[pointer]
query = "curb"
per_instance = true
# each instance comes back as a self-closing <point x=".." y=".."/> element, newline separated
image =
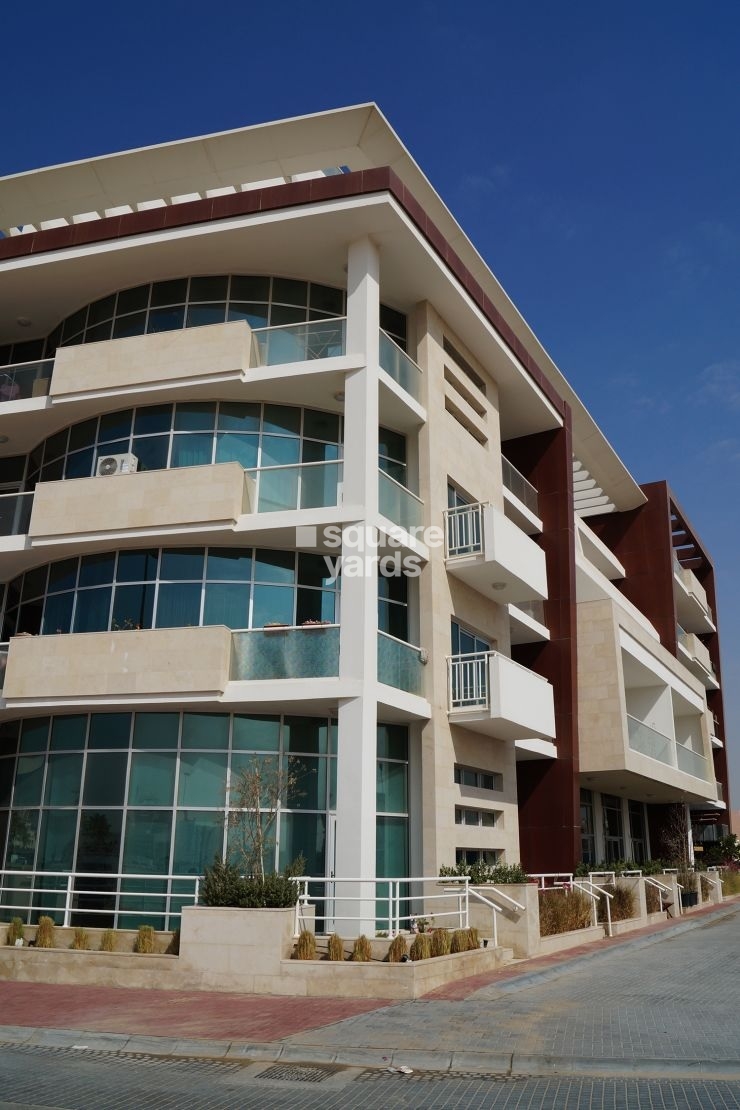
<point x="510" y="1064"/>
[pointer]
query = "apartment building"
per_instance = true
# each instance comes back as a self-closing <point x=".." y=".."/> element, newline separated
<point x="286" y="476"/>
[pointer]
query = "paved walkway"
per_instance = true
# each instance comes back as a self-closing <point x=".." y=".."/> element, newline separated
<point x="665" y="1001"/>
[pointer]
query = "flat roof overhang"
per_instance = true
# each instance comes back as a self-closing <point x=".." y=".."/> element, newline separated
<point x="639" y="788"/>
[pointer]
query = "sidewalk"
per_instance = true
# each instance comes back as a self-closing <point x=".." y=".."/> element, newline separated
<point x="539" y="1016"/>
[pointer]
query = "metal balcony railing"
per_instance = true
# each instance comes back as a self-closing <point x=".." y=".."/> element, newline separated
<point x="464" y="530"/>
<point x="517" y="484"/>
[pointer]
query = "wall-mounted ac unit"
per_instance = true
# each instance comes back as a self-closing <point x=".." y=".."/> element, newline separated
<point x="116" y="464"/>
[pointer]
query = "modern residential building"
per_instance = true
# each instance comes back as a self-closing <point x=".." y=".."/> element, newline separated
<point x="285" y="474"/>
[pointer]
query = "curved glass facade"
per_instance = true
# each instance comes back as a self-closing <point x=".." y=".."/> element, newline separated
<point x="190" y="302"/>
<point x="171" y="588"/>
<point x="137" y="794"/>
<point x="191" y="433"/>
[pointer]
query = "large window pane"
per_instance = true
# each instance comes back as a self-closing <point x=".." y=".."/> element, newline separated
<point x="182" y="564"/>
<point x="278" y="490"/>
<point x="105" y="779"/>
<point x="392" y="847"/>
<point x="303" y="834"/>
<point x="226" y="604"/>
<point x="306" y="779"/>
<point x="233" y="416"/>
<point x="29" y="777"/>
<point x="156" y="730"/>
<point x="133" y="607"/>
<point x="229" y="565"/>
<point x="100" y="840"/>
<point x="178" y="605"/>
<point x="272" y="604"/>
<point x="137" y="566"/>
<point x="237" y="448"/>
<point x="68" y="733"/>
<point x="96" y="570"/>
<point x="153" y="419"/>
<point x="202" y="779"/>
<point x="92" y="611"/>
<point x="22" y="839"/>
<point x="391" y="788"/>
<point x="152" y="452"/>
<point x="147" y="844"/>
<point x="57" y="840"/>
<point x="57" y="614"/>
<point x="195" y="416"/>
<point x="393" y="742"/>
<point x="279" y="451"/>
<point x="199" y="837"/>
<point x="205" y="730"/>
<point x="35" y="734"/>
<point x="306" y="734"/>
<point x="259" y="734"/>
<point x="109" y="730"/>
<point x="152" y="779"/>
<point x="63" y="780"/>
<point x="195" y="449"/>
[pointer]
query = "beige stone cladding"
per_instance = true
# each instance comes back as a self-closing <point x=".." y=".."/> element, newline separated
<point x="155" y="501"/>
<point x="448" y="452"/>
<point x="139" y="662"/>
<point x="170" y="356"/>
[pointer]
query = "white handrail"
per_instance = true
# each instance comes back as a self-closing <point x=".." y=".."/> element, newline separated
<point x="542" y="875"/>
<point x="595" y="893"/>
<point x="494" y="910"/>
<point x="495" y="890"/>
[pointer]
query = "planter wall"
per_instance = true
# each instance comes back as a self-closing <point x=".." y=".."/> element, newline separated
<point x="560" y="941"/>
<point x="517" y="929"/>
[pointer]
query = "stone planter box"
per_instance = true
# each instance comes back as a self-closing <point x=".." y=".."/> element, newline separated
<point x="558" y="942"/>
<point x="517" y="929"/>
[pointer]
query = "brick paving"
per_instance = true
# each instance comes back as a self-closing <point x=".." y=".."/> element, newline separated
<point x="180" y="1014"/>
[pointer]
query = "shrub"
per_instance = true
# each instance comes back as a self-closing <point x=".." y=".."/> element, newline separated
<point x="80" y="940"/>
<point x="421" y="947"/>
<point x="481" y="873"/>
<point x="223" y="886"/>
<point x="108" y="941"/>
<point x="398" y="948"/>
<point x="362" y="952"/>
<point x="144" y="943"/>
<point x="622" y="904"/>
<point x="15" y="930"/>
<point x="730" y="882"/>
<point x="473" y="939"/>
<point x="45" y="933"/>
<point x="305" y="946"/>
<point x="562" y="911"/>
<point x="335" y="949"/>
<point x="441" y="940"/>
<point x="652" y="899"/>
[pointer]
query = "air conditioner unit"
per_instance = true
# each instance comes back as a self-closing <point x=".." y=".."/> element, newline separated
<point x="116" y="464"/>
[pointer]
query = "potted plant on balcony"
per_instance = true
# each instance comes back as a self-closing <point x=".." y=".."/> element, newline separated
<point x="272" y="627"/>
<point x="315" y="625"/>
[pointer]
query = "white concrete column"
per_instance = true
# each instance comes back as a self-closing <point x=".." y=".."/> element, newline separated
<point x="357" y="724"/>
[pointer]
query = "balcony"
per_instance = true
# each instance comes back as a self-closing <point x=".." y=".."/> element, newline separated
<point x="305" y="486"/>
<point x="15" y="513"/>
<point x="298" y="342"/>
<point x="692" y="606"/>
<point x="183" y="664"/>
<point x="490" y="693"/>
<point x="194" y="499"/>
<point x="647" y="741"/>
<point x="521" y="501"/>
<point x="25" y="379"/>
<point x="696" y="656"/>
<point x="400" y="664"/>
<point x="527" y="622"/>
<point x="399" y="366"/>
<point x="280" y="652"/>
<point x="399" y="504"/>
<point x="714" y="730"/>
<point x="491" y="554"/>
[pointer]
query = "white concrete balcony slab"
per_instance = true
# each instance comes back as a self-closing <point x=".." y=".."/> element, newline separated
<point x="696" y="656"/>
<point x="194" y="500"/>
<point x="181" y="665"/>
<point x="692" y="605"/>
<point x="527" y="622"/>
<point x="490" y="693"/>
<point x="486" y="550"/>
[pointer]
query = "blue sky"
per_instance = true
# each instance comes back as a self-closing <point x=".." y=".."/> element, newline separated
<point x="588" y="149"/>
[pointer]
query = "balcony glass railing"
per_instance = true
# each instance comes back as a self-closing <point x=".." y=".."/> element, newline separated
<point x="720" y="792"/>
<point x="25" y="379"/>
<point x="400" y="664"/>
<point x="399" y="366"/>
<point x="3" y="663"/>
<point x="398" y="503"/>
<point x="306" y="486"/>
<point x="534" y="609"/>
<point x="309" y="651"/>
<point x="298" y="342"/>
<point x="646" y="741"/>
<point x="463" y="530"/>
<point x="691" y="762"/>
<point x="517" y="484"/>
<point x="15" y="513"/>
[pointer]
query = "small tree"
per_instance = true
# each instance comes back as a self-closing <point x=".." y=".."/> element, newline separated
<point x="258" y="794"/>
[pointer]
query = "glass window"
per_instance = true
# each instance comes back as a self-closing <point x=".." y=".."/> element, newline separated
<point x="109" y="730"/>
<point x="62" y="575"/>
<point x="392" y="846"/>
<point x="199" y="837"/>
<point x="274" y="566"/>
<point x="305" y="734"/>
<point x="227" y="603"/>
<point x="68" y="733"/>
<point x="22" y="839"/>
<point x="178" y="605"/>
<point x="393" y="742"/>
<point x="96" y="570"/>
<point x="133" y="607"/>
<point x="611" y="807"/>
<point x="57" y="840"/>
<point x="152" y="780"/>
<point x="124" y="326"/>
<point x="391" y="788"/>
<point x="259" y="734"/>
<point x="29" y="777"/>
<point x="195" y="416"/>
<point x="192" y="450"/>
<point x="57" y="614"/>
<point x="137" y="566"/>
<point x="306" y="779"/>
<point x="205" y="730"/>
<point x="169" y="292"/>
<point x="146" y="848"/>
<point x="208" y="288"/>
<point x="182" y="564"/>
<point x="152" y="452"/>
<point x="165" y="319"/>
<point x="100" y="839"/>
<point x="63" y="780"/>
<point x="105" y="779"/>
<point x="156" y="730"/>
<point x="35" y="734"/>
<point x="92" y="610"/>
<point x="304" y="834"/>
<point x="250" y="288"/>
<point x="272" y="605"/>
<point x="152" y="420"/>
<point x="234" y="416"/>
<point x="226" y="564"/>
<point x="243" y="449"/>
<point x="200" y="315"/>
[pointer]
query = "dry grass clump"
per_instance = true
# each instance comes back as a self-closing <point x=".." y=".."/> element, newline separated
<point x="441" y="942"/>
<point x="622" y="904"/>
<point x="45" y="933"/>
<point x="80" y="940"/>
<point x="706" y="888"/>
<point x="464" y="940"/>
<point x="421" y="947"/>
<point x="305" y="946"/>
<point x="15" y="930"/>
<point x="108" y="941"/>
<point x="335" y="948"/>
<point x="562" y="911"/>
<point x="362" y="952"/>
<point x="397" y="949"/>
<point x="144" y="943"/>
<point x="652" y="899"/>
